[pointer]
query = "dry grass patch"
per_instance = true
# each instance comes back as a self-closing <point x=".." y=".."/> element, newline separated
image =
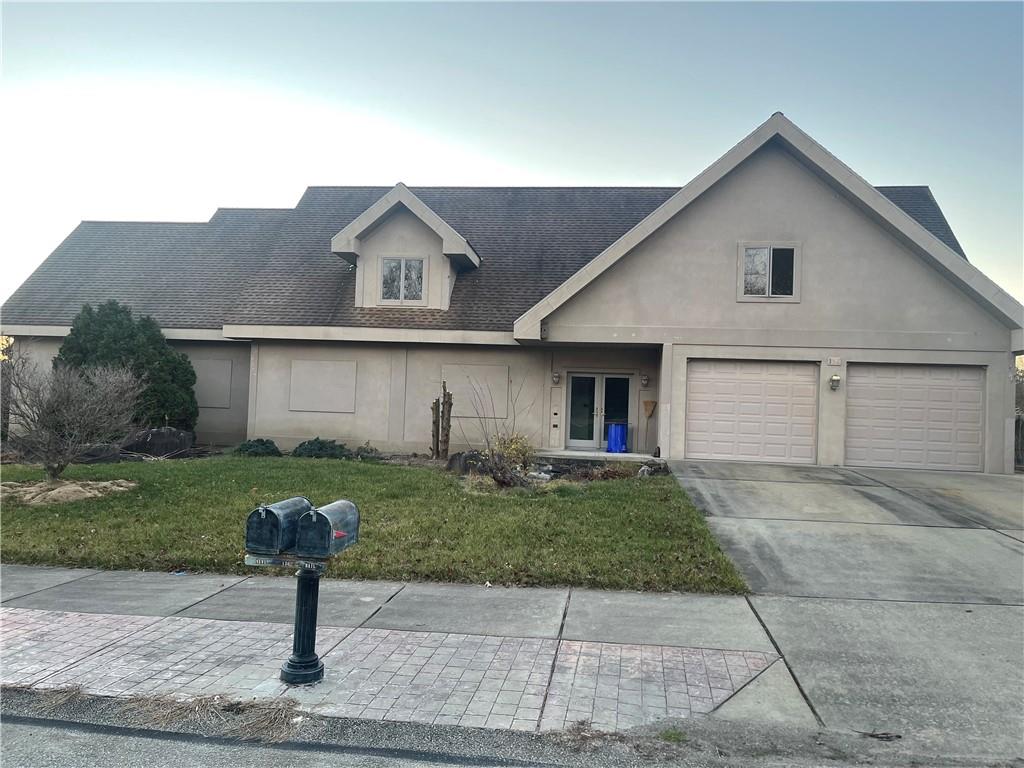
<point x="63" y="491"/>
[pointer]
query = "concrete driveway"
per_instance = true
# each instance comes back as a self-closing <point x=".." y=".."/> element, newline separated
<point x="868" y="534"/>
<point x="895" y="597"/>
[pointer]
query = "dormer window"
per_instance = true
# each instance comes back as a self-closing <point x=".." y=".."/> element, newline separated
<point x="404" y="253"/>
<point x="401" y="281"/>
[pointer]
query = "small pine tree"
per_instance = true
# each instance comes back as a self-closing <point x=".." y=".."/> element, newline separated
<point x="109" y="335"/>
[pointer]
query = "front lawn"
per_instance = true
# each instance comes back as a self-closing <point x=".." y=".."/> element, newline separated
<point x="417" y="524"/>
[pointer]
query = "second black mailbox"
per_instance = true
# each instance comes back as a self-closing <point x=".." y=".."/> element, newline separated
<point x="328" y="530"/>
<point x="272" y="528"/>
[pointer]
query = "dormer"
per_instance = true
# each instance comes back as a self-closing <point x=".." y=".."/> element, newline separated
<point x="405" y="255"/>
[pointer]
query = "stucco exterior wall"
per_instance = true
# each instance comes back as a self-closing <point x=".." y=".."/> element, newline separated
<point x="509" y="387"/>
<point x="864" y="297"/>
<point x="394" y="386"/>
<point x="222" y="389"/>
<point x="40" y="349"/>
<point x="222" y="369"/>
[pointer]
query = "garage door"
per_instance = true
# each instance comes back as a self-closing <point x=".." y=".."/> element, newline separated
<point x="914" y="416"/>
<point x="751" y="411"/>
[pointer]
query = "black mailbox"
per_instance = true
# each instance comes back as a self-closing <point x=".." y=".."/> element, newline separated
<point x="328" y="530"/>
<point x="272" y="528"/>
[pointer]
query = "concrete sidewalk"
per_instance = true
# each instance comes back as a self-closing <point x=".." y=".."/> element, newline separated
<point x="527" y="659"/>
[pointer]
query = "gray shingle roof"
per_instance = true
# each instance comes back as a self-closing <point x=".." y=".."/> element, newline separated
<point x="275" y="266"/>
<point x="529" y="241"/>
<point x="185" y="275"/>
<point x="919" y="204"/>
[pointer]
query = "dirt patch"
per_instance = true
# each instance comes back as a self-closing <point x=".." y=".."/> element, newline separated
<point x="64" y="491"/>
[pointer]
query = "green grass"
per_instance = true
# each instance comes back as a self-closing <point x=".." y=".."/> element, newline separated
<point x="417" y="524"/>
<point x="673" y="736"/>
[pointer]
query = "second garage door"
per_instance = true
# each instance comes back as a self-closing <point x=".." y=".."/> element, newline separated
<point x="751" y="411"/>
<point x="915" y="416"/>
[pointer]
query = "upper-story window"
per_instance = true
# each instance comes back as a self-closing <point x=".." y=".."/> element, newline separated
<point x="402" y="281"/>
<point x="769" y="272"/>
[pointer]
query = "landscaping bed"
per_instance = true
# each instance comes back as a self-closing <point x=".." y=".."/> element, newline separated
<point x="418" y="523"/>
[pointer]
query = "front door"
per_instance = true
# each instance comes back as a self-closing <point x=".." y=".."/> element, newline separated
<point x="583" y="432"/>
<point x="615" y="408"/>
<point x="596" y="400"/>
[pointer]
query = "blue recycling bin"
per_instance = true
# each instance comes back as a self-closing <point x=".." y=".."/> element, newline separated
<point x="616" y="438"/>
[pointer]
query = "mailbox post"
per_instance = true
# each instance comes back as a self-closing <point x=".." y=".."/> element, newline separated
<point x="295" y="533"/>
<point x="304" y="666"/>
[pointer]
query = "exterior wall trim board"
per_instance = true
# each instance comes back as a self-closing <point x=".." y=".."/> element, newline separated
<point x="173" y="334"/>
<point x="370" y="334"/>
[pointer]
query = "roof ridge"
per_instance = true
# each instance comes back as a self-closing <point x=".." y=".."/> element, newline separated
<point x="142" y="221"/>
<point x="253" y="208"/>
<point x="506" y="186"/>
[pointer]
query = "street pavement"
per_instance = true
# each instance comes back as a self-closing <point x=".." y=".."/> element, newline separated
<point x="58" y="746"/>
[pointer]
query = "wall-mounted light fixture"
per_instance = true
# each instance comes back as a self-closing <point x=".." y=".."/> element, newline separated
<point x="556" y="377"/>
<point x="833" y="382"/>
<point x="644" y="379"/>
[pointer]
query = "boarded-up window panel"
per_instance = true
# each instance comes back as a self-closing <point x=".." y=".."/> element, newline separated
<point x="477" y="390"/>
<point x="213" y="383"/>
<point x="323" y="386"/>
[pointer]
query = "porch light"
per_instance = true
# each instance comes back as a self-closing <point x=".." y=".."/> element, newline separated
<point x="644" y="379"/>
<point x="833" y="382"/>
<point x="556" y="377"/>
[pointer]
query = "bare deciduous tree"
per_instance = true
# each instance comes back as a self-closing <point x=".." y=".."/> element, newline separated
<point x="58" y="414"/>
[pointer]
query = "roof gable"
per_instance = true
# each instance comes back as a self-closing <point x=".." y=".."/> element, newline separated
<point x="347" y="242"/>
<point x="941" y="255"/>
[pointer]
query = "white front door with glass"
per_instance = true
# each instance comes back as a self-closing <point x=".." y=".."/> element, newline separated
<point x="595" y="401"/>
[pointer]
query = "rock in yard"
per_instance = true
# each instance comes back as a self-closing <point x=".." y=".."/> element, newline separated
<point x="161" y="441"/>
<point x="468" y="462"/>
<point x="538" y="477"/>
<point x="656" y="466"/>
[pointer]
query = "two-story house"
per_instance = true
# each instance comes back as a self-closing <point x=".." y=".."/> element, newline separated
<point x="777" y="308"/>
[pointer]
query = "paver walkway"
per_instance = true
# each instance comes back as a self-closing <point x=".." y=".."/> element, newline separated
<point x="387" y="674"/>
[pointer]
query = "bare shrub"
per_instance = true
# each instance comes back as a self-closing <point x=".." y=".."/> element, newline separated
<point x="58" y="414"/>
<point x="506" y="452"/>
<point x="516" y="449"/>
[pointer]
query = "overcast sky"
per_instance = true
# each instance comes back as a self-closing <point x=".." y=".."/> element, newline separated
<point x="165" y="112"/>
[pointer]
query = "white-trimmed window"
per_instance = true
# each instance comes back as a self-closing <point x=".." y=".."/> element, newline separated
<point x="403" y="281"/>
<point x="769" y="272"/>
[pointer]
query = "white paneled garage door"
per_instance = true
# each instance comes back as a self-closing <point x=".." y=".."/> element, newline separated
<point x="915" y="416"/>
<point x="751" y="411"/>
